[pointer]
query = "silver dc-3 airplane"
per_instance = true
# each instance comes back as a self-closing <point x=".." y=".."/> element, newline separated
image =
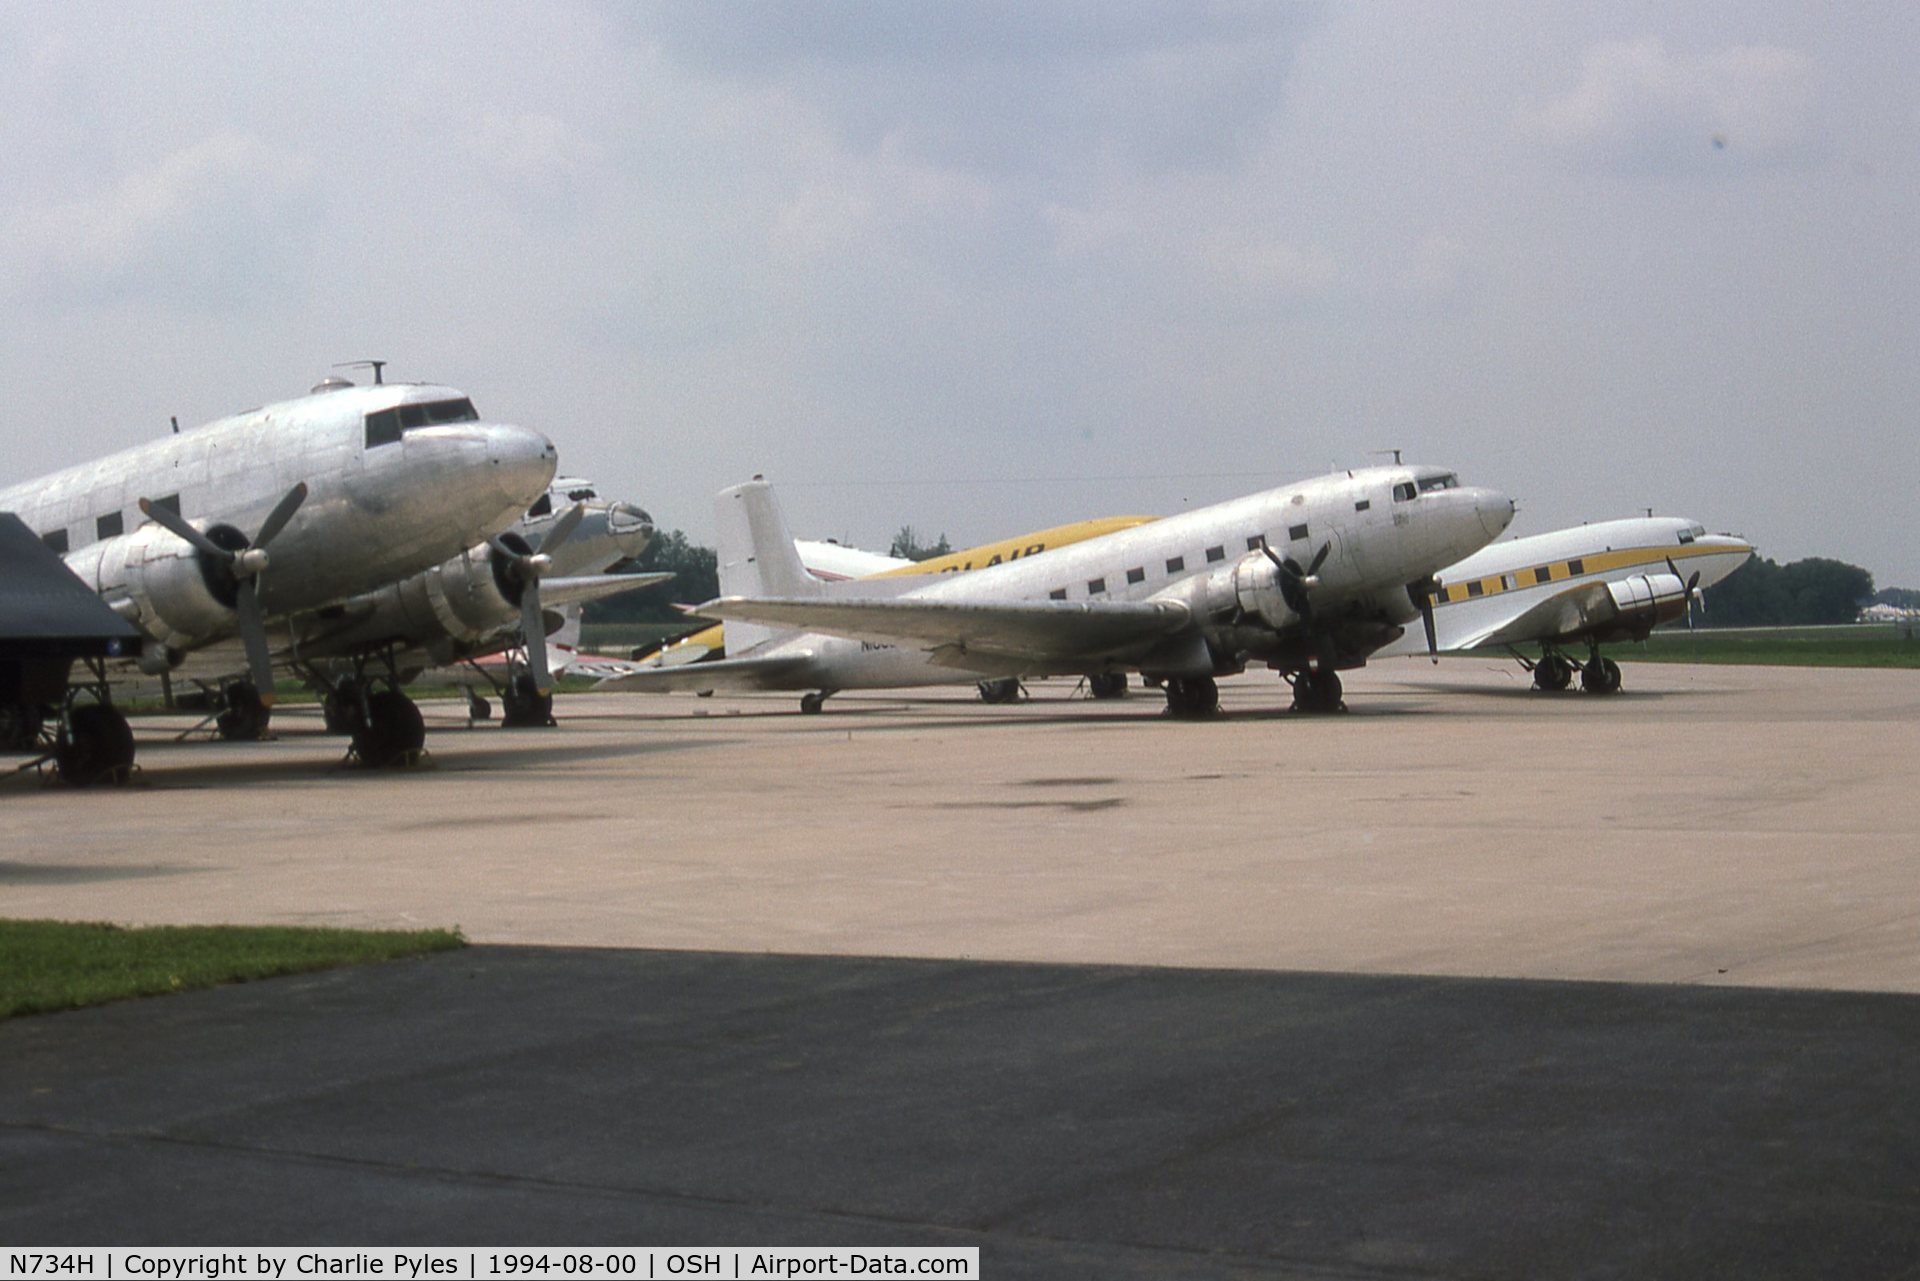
<point x="1585" y="586"/>
<point x="481" y="605"/>
<point x="1308" y="579"/>
<point x="264" y="524"/>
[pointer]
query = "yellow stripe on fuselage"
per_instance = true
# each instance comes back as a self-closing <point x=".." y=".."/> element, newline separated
<point x="714" y="638"/>
<point x="1597" y="563"/>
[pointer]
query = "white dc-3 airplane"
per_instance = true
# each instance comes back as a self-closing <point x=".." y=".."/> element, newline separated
<point x="1308" y="579"/>
<point x="1589" y="585"/>
<point x="264" y="524"/>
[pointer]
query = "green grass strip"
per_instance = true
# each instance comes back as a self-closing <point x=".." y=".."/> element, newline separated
<point x="60" y="965"/>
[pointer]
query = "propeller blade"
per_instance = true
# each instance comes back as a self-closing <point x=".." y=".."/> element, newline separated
<point x="533" y="630"/>
<point x="1319" y="558"/>
<point x="562" y="529"/>
<point x="1271" y="554"/>
<point x="253" y="634"/>
<point x="173" y="522"/>
<point x="282" y="513"/>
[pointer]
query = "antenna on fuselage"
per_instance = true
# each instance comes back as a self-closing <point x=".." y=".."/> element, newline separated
<point x="375" y="365"/>
<point x="175" y="420"/>
<point x="1375" y="453"/>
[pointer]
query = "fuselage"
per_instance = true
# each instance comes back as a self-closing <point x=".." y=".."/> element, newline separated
<point x="1505" y="580"/>
<point x="399" y="476"/>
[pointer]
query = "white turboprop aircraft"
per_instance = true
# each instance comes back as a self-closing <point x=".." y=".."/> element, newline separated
<point x="1308" y="579"/>
<point x="1592" y="584"/>
<point x="279" y="515"/>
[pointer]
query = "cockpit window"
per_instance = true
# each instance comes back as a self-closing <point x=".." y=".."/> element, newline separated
<point x="542" y="507"/>
<point x="1430" y="483"/>
<point x="435" y="412"/>
<point x="1686" y="536"/>
<point x="1403" y="491"/>
<point x="581" y="495"/>
<point x="385" y="426"/>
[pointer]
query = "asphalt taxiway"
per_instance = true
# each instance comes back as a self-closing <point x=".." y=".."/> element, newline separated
<point x="1466" y="982"/>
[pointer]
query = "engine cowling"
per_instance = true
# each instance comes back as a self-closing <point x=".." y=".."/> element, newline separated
<point x="1245" y="593"/>
<point x="1648" y="600"/>
<point x="447" y="608"/>
<point x="162" y="585"/>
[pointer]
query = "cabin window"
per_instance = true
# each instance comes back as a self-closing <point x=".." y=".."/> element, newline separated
<point x="1363" y="504"/>
<point x="1543" y="574"/>
<point x="171" y="502"/>
<point x="1176" y="565"/>
<point x="1476" y="588"/>
<point x="1403" y="491"/>
<point x="111" y="525"/>
<point x="542" y="506"/>
<point x="1058" y="593"/>
<point x="1508" y="582"/>
<point x="1136" y="576"/>
<point x="1216" y="553"/>
<point x="1296" y="533"/>
<point x="1095" y="586"/>
<point x="383" y="428"/>
<point x="1576" y="567"/>
<point x="56" y="541"/>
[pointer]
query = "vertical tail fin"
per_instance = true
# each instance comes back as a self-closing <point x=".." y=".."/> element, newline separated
<point x="757" y="556"/>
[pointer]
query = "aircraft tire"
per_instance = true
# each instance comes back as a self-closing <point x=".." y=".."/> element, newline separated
<point x="1601" y="676"/>
<point x="394" y="731"/>
<point x="524" y="706"/>
<point x="1552" y="674"/>
<point x="1192" y="698"/>
<point x="812" y="703"/>
<point x="1107" y="685"/>
<point x="246" y="717"/>
<point x="95" y="747"/>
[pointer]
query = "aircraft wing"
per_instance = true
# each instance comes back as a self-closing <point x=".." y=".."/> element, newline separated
<point x="1565" y="615"/>
<point x="772" y="672"/>
<point x="555" y="592"/>
<point x="1021" y="631"/>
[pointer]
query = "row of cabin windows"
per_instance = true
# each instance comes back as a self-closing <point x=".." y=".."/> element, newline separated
<point x="1178" y="564"/>
<point x="110" y="525"/>
<point x="386" y="426"/>
<point x="1508" y="582"/>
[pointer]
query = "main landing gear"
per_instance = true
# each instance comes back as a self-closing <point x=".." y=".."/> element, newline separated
<point x="244" y="718"/>
<point x="524" y="705"/>
<point x="1554" y="672"/>
<point x="383" y="726"/>
<point x="1191" y="697"/>
<point x="1317" y="692"/>
<point x="1104" y="685"/>
<point x="95" y="745"/>
<point x="1006" y="689"/>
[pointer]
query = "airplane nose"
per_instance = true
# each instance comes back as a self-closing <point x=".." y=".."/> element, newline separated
<point x="523" y="461"/>
<point x="1494" y="509"/>
<point x="631" y="528"/>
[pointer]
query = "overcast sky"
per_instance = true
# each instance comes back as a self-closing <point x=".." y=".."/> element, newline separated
<point x="987" y="267"/>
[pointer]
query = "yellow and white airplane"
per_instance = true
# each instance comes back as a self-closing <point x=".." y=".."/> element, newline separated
<point x="1308" y="579"/>
<point x="1589" y="585"/>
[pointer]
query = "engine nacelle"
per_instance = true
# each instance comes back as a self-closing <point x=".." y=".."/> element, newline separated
<point x="1648" y="600"/>
<point x="162" y="585"/>
<point x="446" y="608"/>
<point x="1245" y="593"/>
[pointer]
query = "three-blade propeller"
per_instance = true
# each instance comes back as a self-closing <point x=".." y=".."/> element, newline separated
<point x="1693" y="591"/>
<point x="527" y="568"/>
<point x="243" y="565"/>
<point x="1295" y="582"/>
